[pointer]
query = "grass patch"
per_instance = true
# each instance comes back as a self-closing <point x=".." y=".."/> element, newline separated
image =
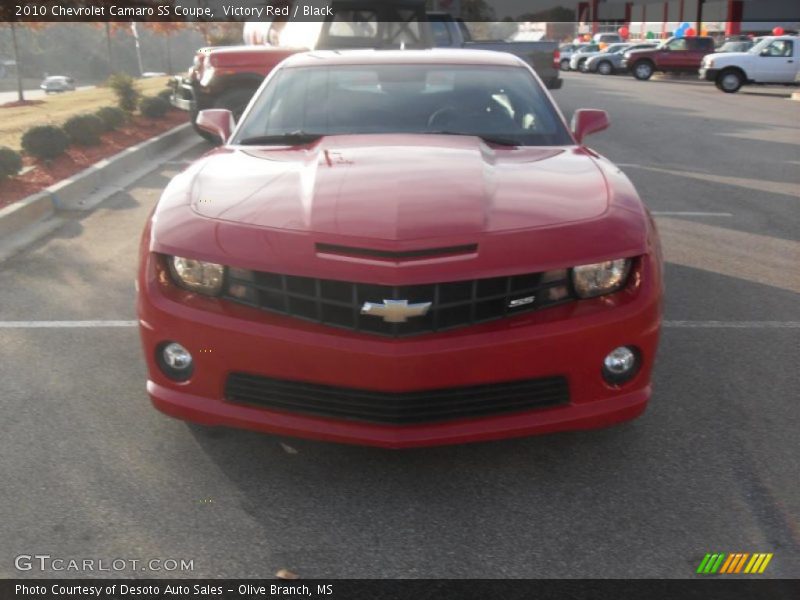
<point x="57" y="108"/>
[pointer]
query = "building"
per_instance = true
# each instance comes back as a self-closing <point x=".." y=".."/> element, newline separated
<point x="730" y="17"/>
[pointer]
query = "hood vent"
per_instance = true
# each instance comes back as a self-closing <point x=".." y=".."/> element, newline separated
<point x="399" y="254"/>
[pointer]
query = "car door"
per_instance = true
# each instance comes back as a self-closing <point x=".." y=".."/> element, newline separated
<point x="695" y="51"/>
<point x="777" y="62"/>
<point x="673" y="56"/>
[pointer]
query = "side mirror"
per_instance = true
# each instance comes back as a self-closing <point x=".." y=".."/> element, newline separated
<point x="216" y="121"/>
<point x="588" y="120"/>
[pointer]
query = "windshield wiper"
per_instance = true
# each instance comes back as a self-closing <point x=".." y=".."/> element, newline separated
<point x="293" y="138"/>
<point x="489" y="139"/>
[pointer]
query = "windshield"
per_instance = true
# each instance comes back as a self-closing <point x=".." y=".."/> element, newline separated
<point x="760" y="46"/>
<point x="505" y="103"/>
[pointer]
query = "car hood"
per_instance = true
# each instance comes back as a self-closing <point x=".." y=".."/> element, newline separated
<point x="732" y="56"/>
<point x="641" y="52"/>
<point x="399" y="187"/>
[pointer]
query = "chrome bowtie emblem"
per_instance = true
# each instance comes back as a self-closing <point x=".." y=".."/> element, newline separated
<point x="395" y="311"/>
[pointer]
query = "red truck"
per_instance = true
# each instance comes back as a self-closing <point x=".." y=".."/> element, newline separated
<point x="227" y="77"/>
<point x="675" y="55"/>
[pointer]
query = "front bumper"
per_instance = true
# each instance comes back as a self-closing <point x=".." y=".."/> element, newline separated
<point x="183" y="94"/>
<point x="569" y="340"/>
<point x="708" y="74"/>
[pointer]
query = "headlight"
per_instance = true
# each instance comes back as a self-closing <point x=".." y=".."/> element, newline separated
<point x="600" y="278"/>
<point x="197" y="275"/>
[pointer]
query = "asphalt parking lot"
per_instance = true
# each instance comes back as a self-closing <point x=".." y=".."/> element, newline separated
<point x="90" y="470"/>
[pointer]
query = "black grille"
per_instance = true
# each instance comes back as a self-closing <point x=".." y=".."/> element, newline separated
<point x="396" y="408"/>
<point x="453" y="304"/>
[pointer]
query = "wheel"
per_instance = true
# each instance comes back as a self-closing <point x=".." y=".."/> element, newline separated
<point x="235" y="100"/>
<point x="605" y="68"/>
<point x="729" y="81"/>
<point x="441" y="120"/>
<point x="565" y="64"/>
<point x="643" y="70"/>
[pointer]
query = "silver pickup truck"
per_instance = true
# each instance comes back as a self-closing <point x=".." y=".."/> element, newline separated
<point x="543" y="56"/>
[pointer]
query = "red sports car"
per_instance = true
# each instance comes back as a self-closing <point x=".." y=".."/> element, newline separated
<point x="401" y="248"/>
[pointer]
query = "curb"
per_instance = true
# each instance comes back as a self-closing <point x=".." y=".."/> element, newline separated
<point x="88" y="188"/>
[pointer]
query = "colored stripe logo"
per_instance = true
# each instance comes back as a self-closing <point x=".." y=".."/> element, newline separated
<point x="737" y="562"/>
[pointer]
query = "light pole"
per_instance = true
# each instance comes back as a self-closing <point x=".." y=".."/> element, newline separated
<point x="20" y="93"/>
<point x="138" y="49"/>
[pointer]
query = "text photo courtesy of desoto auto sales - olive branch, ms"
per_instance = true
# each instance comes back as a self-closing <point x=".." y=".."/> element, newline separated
<point x="472" y="298"/>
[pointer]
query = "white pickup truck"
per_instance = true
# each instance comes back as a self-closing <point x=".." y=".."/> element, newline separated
<point x="773" y="60"/>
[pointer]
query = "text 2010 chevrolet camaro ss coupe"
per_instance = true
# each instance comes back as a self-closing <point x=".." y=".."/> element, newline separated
<point x="401" y="248"/>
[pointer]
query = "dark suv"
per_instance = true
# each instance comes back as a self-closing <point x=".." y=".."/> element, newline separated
<point x="675" y="55"/>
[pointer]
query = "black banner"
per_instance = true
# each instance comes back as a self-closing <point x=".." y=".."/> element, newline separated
<point x="733" y="588"/>
<point x="318" y="10"/>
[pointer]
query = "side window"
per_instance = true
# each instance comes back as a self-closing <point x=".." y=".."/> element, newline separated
<point x="677" y="44"/>
<point x="354" y="24"/>
<point x="441" y="34"/>
<point x="778" y="48"/>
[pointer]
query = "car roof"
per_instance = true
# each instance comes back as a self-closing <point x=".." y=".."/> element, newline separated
<point x="403" y="57"/>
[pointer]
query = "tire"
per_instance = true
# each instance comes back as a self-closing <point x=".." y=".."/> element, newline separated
<point x="605" y="68"/>
<point x="235" y="100"/>
<point x="643" y="70"/>
<point x="730" y="80"/>
<point x="565" y="64"/>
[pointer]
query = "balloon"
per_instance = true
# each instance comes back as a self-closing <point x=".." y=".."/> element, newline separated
<point x="778" y="31"/>
<point x="704" y="32"/>
<point x="690" y="32"/>
<point x="685" y="25"/>
<point x="679" y="33"/>
<point x="649" y="35"/>
<point x="623" y="32"/>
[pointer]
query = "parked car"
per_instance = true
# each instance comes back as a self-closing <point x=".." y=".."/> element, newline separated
<point x="57" y="83"/>
<point x="512" y="285"/>
<point x="610" y="63"/>
<point x="608" y="50"/>
<point x="735" y="46"/>
<point x="576" y="61"/>
<point x="226" y="77"/>
<point x="675" y="55"/>
<point x="566" y="51"/>
<point x="607" y="38"/>
<point x="774" y="60"/>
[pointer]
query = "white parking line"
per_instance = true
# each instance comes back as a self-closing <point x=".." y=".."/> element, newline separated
<point x="669" y="324"/>
<point x="63" y="324"/>
<point x="732" y="324"/>
<point x="669" y="213"/>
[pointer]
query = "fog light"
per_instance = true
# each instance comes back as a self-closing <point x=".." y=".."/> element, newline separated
<point x="620" y="365"/>
<point x="175" y="361"/>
